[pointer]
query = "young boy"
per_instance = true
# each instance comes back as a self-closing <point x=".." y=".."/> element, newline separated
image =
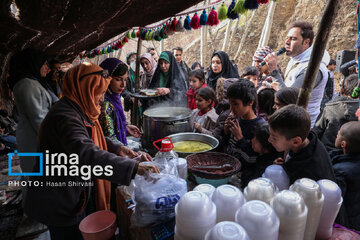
<point x="239" y="125"/>
<point x="347" y="171"/>
<point x="251" y="73"/>
<point x="306" y="155"/>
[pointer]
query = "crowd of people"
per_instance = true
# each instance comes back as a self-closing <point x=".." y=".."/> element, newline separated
<point x="252" y="114"/>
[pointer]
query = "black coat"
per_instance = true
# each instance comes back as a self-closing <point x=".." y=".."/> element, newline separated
<point x="347" y="174"/>
<point x="336" y="112"/>
<point x="256" y="170"/>
<point x="312" y="162"/>
<point x="177" y="83"/>
<point x="66" y="129"/>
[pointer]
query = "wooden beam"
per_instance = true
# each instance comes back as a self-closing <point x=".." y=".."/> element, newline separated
<point x="319" y="46"/>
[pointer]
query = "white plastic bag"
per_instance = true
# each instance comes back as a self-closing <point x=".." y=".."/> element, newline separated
<point x="155" y="197"/>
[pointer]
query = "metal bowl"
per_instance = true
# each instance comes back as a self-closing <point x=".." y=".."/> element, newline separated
<point x="213" y="142"/>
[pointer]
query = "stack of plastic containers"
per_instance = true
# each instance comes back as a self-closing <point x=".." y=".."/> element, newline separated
<point x="228" y="199"/>
<point x="227" y="231"/>
<point x="260" y="189"/>
<point x="208" y="189"/>
<point x="195" y="214"/>
<point x="259" y="220"/>
<point x="331" y="207"/>
<point x="314" y="200"/>
<point x="278" y="176"/>
<point x="292" y="212"/>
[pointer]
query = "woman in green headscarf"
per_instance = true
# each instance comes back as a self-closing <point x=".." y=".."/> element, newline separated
<point x="169" y="80"/>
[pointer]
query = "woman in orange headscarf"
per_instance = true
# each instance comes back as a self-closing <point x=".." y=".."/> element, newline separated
<point x="72" y="127"/>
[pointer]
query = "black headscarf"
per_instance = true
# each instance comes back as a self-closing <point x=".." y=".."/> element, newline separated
<point x="26" y="64"/>
<point x="228" y="70"/>
<point x="177" y="82"/>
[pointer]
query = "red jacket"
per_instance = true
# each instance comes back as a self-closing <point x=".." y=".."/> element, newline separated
<point x="191" y="95"/>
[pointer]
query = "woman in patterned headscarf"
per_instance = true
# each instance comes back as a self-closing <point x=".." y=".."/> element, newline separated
<point x="112" y="117"/>
<point x="72" y="127"/>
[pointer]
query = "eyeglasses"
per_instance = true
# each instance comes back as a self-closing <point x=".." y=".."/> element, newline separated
<point x="103" y="73"/>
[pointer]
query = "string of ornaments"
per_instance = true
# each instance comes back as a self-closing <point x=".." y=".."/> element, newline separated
<point x="181" y="24"/>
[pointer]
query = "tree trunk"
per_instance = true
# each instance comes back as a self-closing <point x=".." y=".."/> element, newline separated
<point x="321" y="39"/>
<point x="234" y="30"/>
<point x="265" y="35"/>
<point x="227" y="34"/>
<point x="244" y="35"/>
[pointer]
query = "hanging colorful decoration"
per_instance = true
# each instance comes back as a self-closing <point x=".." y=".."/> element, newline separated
<point x="187" y="23"/>
<point x="251" y="4"/>
<point x="180" y="23"/>
<point x="239" y="7"/>
<point x="222" y="12"/>
<point x="195" y="22"/>
<point x="231" y="14"/>
<point x="203" y="18"/>
<point x="212" y="18"/>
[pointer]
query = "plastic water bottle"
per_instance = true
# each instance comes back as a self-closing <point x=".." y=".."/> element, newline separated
<point x="166" y="159"/>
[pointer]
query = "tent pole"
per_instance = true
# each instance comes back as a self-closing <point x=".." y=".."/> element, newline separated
<point x="135" y="116"/>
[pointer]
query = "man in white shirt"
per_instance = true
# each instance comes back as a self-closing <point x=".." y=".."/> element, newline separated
<point x="298" y="46"/>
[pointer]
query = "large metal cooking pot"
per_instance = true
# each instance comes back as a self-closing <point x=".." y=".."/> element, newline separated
<point x="213" y="142"/>
<point x="160" y="122"/>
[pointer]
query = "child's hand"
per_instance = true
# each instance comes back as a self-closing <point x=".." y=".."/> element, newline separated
<point x="197" y="127"/>
<point x="235" y="129"/>
<point x="279" y="161"/>
<point x="228" y="122"/>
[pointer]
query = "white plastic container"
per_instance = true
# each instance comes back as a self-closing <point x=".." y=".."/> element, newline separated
<point x="259" y="220"/>
<point x="205" y="188"/>
<point x="181" y="165"/>
<point x="260" y="189"/>
<point x="195" y="214"/>
<point x="314" y="200"/>
<point x="278" y="176"/>
<point x="227" y="231"/>
<point x="228" y="199"/>
<point x="291" y="209"/>
<point x="331" y="207"/>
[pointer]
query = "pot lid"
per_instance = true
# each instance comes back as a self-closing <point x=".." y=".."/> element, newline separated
<point x="168" y="112"/>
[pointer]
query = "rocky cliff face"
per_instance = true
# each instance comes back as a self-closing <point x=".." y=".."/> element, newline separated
<point x="343" y="34"/>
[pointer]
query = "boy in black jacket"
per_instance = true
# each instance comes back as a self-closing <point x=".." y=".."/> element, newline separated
<point x="346" y="165"/>
<point x="306" y="155"/>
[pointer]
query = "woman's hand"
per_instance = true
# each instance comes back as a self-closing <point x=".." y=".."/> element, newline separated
<point x="145" y="157"/>
<point x="127" y="152"/>
<point x="142" y="169"/>
<point x="133" y="131"/>
<point x="163" y="91"/>
<point x="235" y="129"/>
<point x="197" y="127"/>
